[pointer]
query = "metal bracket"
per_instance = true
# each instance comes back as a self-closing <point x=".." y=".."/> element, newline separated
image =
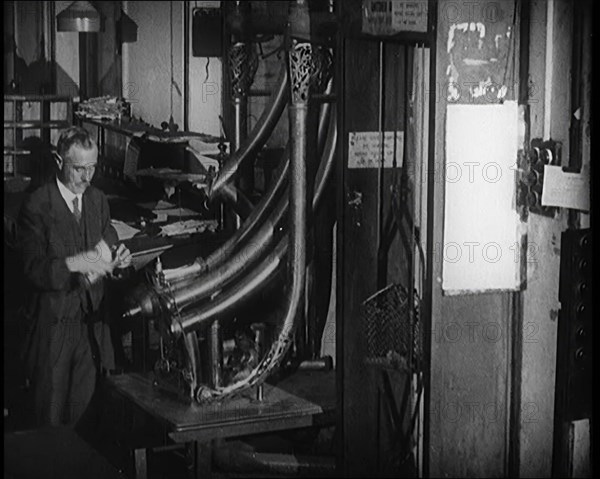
<point x="531" y="168"/>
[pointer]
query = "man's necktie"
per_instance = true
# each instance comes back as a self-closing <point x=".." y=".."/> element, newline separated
<point x="76" y="210"/>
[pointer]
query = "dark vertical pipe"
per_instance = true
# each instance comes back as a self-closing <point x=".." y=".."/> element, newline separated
<point x="239" y="122"/>
<point x="240" y="95"/>
<point x="297" y="219"/>
<point x="524" y="12"/>
<point x="215" y="354"/>
<point x="186" y="65"/>
<point x="339" y="250"/>
<point x="575" y="125"/>
<point x="411" y="197"/>
<point x="12" y="81"/>
<point x="83" y="61"/>
<point x="382" y="266"/>
<point x="259" y="340"/>
<point x="429" y="282"/>
<point x="88" y="65"/>
<point x="516" y="299"/>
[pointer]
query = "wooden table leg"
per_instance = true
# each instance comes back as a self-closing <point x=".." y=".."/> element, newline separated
<point x="141" y="464"/>
<point x="199" y="459"/>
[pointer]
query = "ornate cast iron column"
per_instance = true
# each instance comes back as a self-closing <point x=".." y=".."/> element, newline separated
<point x="243" y="62"/>
<point x="303" y="72"/>
<point x="310" y="70"/>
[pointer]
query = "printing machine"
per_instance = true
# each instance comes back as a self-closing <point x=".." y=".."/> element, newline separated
<point x="229" y="316"/>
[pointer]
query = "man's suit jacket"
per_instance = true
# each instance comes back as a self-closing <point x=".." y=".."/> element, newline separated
<point x="48" y="233"/>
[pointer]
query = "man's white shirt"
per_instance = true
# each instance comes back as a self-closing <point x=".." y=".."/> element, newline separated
<point x="69" y="196"/>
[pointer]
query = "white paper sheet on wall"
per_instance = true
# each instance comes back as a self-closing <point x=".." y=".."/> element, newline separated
<point x="565" y="189"/>
<point x="482" y="238"/>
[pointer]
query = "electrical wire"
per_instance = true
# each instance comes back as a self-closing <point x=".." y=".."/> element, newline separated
<point x="171" y="49"/>
<point x="423" y="159"/>
<point x="510" y="54"/>
<point x="380" y="119"/>
<point x="207" y="71"/>
<point x="411" y="213"/>
<point x="423" y="265"/>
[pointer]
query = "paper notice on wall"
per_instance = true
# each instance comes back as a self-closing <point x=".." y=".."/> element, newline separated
<point x="393" y="16"/>
<point x="482" y="230"/>
<point x="565" y="190"/>
<point x="372" y="149"/>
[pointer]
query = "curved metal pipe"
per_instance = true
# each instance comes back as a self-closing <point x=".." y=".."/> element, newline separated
<point x="187" y="293"/>
<point x="327" y="164"/>
<point x="200" y="266"/>
<point x="257" y="216"/>
<point x="324" y="117"/>
<point x="193" y="354"/>
<point x="235" y="458"/>
<point x="226" y="302"/>
<point x="194" y="291"/>
<point x="258" y="213"/>
<point x="258" y="136"/>
<point x="296" y="260"/>
<point x="240" y="203"/>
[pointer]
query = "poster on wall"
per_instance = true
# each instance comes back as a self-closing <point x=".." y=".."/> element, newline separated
<point x="394" y="16"/>
<point x="374" y="149"/>
<point x="482" y="248"/>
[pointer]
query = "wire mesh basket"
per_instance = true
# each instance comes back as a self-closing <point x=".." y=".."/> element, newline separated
<point x="393" y="335"/>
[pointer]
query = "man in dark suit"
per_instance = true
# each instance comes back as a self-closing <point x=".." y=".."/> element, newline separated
<point x="69" y="247"/>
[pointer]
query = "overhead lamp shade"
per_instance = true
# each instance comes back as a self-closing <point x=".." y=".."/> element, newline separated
<point x="79" y="17"/>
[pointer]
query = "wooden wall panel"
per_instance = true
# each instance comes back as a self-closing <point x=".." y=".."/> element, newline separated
<point x="374" y="94"/>
<point x="540" y="299"/>
<point x="359" y="231"/>
<point x="470" y="342"/>
<point x="369" y="66"/>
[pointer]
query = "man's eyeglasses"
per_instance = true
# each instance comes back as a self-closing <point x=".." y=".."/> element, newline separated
<point x="78" y="168"/>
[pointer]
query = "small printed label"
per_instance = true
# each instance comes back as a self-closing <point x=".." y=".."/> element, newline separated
<point x="369" y="149"/>
<point x="394" y="16"/>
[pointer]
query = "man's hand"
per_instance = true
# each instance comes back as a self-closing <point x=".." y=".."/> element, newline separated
<point x="88" y="263"/>
<point x="103" y="251"/>
<point x="122" y="257"/>
<point x="95" y="263"/>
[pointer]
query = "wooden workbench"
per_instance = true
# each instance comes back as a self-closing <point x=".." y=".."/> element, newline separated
<point x="302" y="400"/>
